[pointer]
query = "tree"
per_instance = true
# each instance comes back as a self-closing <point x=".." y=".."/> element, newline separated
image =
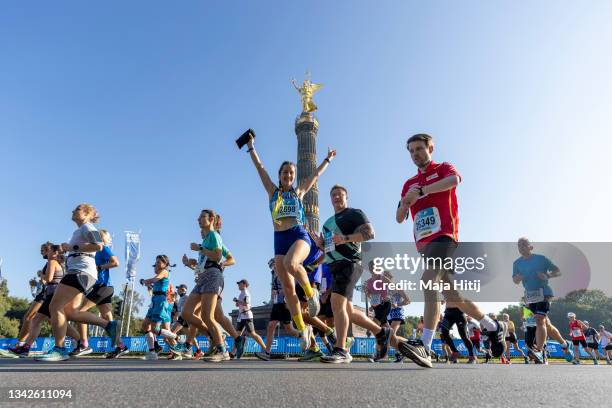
<point x="9" y="318"/>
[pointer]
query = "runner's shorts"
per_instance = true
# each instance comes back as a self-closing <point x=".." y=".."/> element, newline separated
<point x="284" y="239"/>
<point x="81" y="281"/>
<point x="280" y="313"/>
<point x="381" y="311"/>
<point x="209" y="281"/>
<point x="248" y="323"/>
<point x="345" y="276"/>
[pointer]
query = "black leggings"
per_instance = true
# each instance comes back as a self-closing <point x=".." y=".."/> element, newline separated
<point x="454" y="316"/>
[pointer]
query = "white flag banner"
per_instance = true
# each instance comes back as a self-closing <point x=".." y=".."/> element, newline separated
<point x="132" y="253"/>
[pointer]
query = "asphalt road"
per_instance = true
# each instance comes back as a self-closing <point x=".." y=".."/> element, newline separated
<point x="253" y="383"/>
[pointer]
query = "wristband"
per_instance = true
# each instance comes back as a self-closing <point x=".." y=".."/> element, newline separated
<point x="327" y="160"/>
<point x="421" y="193"/>
<point x="75" y="247"/>
<point x="250" y="150"/>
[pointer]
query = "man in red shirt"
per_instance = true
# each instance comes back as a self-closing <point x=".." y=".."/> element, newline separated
<point x="431" y="199"/>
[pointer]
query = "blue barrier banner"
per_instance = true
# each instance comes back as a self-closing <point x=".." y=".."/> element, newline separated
<point x="363" y="346"/>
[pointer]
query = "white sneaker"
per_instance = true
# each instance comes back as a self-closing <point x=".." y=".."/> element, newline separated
<point x="151" y="355"/>
<point x="314" y="307"/>
<point x="305" y="337"/>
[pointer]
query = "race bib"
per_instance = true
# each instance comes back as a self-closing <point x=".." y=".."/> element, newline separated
<point x="426" y="222"/>
<point x="328" y="238"/>
<point x="576" y="333"/>
<point x="590" y="339"/>
<point x="534" y="296"/>
<point x="289" y="208"/>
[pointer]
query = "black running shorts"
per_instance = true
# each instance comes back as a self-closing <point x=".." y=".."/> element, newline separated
<point x="280" y="313"/>
<point x="345" y="276"/>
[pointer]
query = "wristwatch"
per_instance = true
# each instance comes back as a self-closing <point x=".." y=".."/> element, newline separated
<point x="75" y="247"/>
<point x="421" y="193"/>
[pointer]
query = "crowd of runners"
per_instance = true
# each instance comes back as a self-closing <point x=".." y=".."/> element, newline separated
<point x="314" y="275"/>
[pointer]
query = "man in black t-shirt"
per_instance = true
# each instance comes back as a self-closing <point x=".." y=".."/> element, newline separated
<point x="341" y="238"/>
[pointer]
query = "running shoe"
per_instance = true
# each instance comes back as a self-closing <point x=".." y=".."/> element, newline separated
<point x="498" y="343"/>
<point x="240" y="346"/>
<point x="538" y="357"/>
<point x="472" y="360"/>
<point x="9" y="353"/>
<point x="157" y="347"/>
<point x="188" y="354"/>
<point x="311" y="355"/>
<point x="177" y="349"/>
<point x="80" y="350"/>
<point x="216" y="356"/>
<point x="330" y="348"/>
<point x="121" y="351"/>
<point x="595" y="362"/>
<point x="376" y="358"/>
<point x="176" y="357"/>
<point x="569" y="352"/>
<point x="113" y="332"/>
<point x="265" y="356"/>
<point x="314" y="307"/>
<point x="19" y="351"/>
<point x="526" y="359"/>
<point x="416" y="351"/>
<point x="305" y="338"/>
<point x="454" y="357"/>
<point x="339" y="356"/>
<point x="399" y="358"/>
<point x="151" y="355"/>
<point x="331" y="338"/>
<point x="55" y="354"/>
<point x="382" y="341"/>
<point x="576" y="362"/>
<point x="198" y="355"/>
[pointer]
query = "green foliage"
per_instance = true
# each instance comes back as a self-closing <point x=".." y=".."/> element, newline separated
<point x="9" y="317"/>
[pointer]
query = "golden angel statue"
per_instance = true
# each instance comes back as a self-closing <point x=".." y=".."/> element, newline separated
<point x="306" y="91"/>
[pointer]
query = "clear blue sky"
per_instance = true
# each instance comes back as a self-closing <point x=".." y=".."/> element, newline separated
<point x="134" y="107"/>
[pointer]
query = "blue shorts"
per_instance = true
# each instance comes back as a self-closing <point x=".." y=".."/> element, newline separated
<point x="159" y="312"/>
<point x="284" y="239"/>
<point x="314" y="254"/>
